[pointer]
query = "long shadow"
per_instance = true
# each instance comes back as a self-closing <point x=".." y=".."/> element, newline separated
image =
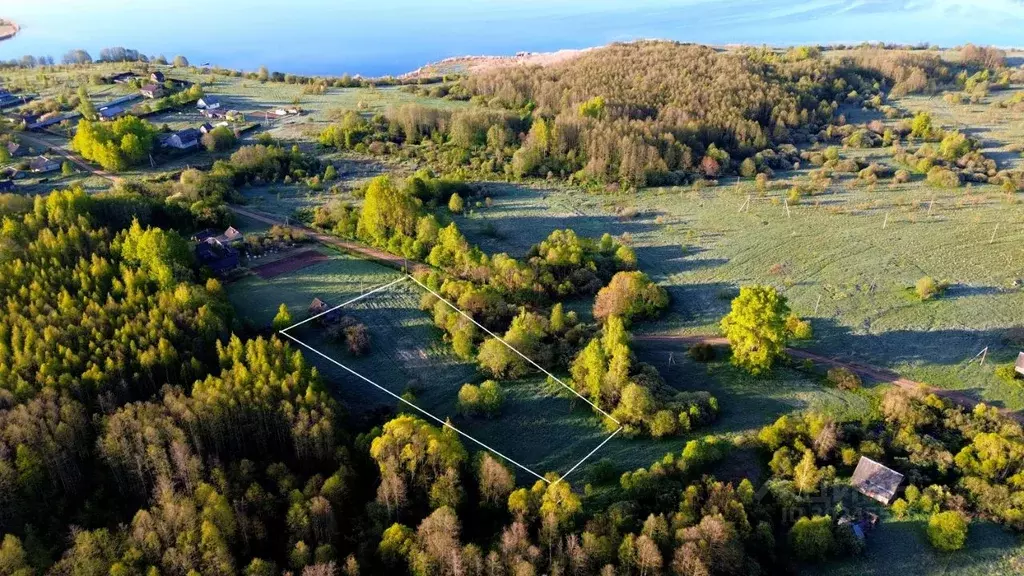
<point x="947" y="347"/>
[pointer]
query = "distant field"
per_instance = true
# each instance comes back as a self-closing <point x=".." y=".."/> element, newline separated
<point x="832" y="246"/>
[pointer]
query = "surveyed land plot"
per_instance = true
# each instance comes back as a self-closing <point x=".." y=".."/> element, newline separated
<point x="544" y="425"/>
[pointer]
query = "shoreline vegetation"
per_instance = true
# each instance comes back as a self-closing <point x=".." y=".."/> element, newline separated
<point x="8" y="29"/>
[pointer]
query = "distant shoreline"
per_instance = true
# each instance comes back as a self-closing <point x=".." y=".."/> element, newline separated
<point x="8" y="29"/>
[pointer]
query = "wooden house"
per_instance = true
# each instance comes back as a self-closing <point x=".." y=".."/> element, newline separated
<point x="44" y="164"/>
<point x="875" y="480"/>
<point x="152" y="91"/>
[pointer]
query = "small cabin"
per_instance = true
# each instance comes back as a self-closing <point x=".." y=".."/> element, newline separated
<point x="44" y="164"/>
<point x="1018" y="367"/>
<point x="875" y="480"/>
<point x="208" y="103"/>
<point x="157" y="77"/>
<point x="320" y="308"/>
<point x="152" y="91"/>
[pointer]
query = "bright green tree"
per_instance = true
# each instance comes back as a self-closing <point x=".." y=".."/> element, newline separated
<point x="756" y="328"/>
<point x="456" y="205"/>
<point x="947" y="531"/>
<point x="812" y="538"/>
<point x="283" y="319"/>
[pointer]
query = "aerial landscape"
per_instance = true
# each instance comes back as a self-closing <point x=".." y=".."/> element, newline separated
<point x="694" y="288"/>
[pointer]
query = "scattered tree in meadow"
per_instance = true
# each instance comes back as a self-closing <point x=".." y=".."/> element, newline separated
<point x="180" y="61"/>
<point x="483" y="399"/>
<point x="283" y="318"/>
<point x="455" y="204"/>
<point x="756" y="328"/>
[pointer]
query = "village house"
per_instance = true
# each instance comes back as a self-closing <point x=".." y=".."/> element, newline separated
<point x="875" y="480"/>
<point x="6" y="185"/>
<point x="183" y="139"/>
<point x="214" y="113"/>
<point x="217" y="251"/>
<point x="208" y="103"/>
<point x="152" y="91"/>
<point x="1018" y="367"/>
<point x="15" y="149"/>
<point x="44" y="164"/>
<point x="206" y="128"/>
<point x="157" y="77"/>
<point x="110" y="113"/>
<point x="122" y="78"/>
<point x="320" y="308"/>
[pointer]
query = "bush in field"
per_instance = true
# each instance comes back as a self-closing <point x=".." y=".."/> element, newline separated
<point x="756" y="328"/>
<point x="947" y="531"/>
<point x="942" y="177"/>
<point x="798" y="329"/>
<point x="630" y="295"/>
<point x="702" y="352"/>
<point x="219" y="139"/>
<point x="811" y="538"/>
<point x="483" y="399"/>
<point x="843" y="378"/>
<point x="927" y="288"/>
<point x="456" y="205"/>
<point x="357" y="339"/>
<point x="1007" y="373"/>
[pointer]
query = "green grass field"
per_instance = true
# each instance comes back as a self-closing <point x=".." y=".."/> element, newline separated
<point x="857" y="250"/>
<point x="541" y="426"/>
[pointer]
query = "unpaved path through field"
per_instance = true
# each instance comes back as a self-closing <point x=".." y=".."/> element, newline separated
<point x="865" y="371"/>
<point x="356" y="248"/>
<point x="41" y="144"/>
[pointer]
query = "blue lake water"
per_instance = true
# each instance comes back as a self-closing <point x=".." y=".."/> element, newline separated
<point x="395" y="36"/>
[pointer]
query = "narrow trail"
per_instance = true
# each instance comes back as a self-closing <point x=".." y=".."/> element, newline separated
<point x="71" y="157"/>
<point x="356" y="248"/>
<point x="865" y="371"/>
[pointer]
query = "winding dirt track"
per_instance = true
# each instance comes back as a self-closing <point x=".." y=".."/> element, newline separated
<point x="71" y="156"/>
<point x="865" y="371"/>
<point x="356" y="248"/>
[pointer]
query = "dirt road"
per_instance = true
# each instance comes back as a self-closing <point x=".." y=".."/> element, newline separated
<point x="41" y="144"/>
<point x="865" y="371"/>
<point x="356" y="248"/>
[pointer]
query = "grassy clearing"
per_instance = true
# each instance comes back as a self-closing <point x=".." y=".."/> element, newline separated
<point x="858" y="250"/>
<point x="901" y="547"/>
<point x="540" y="425"/>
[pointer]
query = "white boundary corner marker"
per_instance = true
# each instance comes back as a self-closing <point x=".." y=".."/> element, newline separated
<point x="507" y="345"/>
<point x="445" y="423"/>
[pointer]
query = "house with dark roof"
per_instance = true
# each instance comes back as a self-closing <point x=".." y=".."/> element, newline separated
<point x="110" y="113"/>
<point x="217" y="257"/>
<point x="183" y="139"/>
<point x="208" y="103"/>
<point x="202" y="235"/>
<point x="44" y="164"/>
<point x="6" y="185"/>
<point x="157" y="77"/>
<point x="15" y="149"/>
<point x="152" y="91"/>
<point x="122" y="78"/>
<point x="875" y="480"/>
<point x="206" y="128"/>
<point x="324" y="312"/>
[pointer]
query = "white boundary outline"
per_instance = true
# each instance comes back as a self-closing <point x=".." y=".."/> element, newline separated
<point x="444" y="423"/>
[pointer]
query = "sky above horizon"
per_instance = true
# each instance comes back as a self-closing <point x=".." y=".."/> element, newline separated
<point x="394" y="36"/>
